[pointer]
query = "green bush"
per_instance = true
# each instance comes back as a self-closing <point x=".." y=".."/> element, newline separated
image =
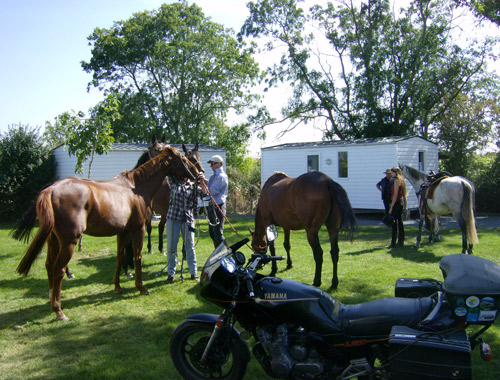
<point x="26" y="166"/>
<point x="485" y="173"/>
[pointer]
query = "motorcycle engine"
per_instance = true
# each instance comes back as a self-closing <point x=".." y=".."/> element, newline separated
<point x="288" y="352"/>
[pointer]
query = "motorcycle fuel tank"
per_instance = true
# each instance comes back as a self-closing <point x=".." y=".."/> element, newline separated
<point x="294" y="302"/>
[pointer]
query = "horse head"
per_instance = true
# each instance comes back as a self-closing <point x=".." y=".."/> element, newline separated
<point x="259" y="243"/>
<point x="156" y="146"/>
<point x="193" y="156"/>
<point x="181" y="166"/>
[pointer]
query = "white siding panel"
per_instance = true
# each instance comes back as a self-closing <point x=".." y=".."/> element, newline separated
<point x="109" y="165"/>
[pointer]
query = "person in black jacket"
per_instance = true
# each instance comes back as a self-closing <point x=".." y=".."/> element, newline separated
<point x="384" y="186"/>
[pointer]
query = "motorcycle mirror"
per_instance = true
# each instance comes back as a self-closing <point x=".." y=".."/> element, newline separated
<point x="239" y="258"/>
<point x="271" y="233"/>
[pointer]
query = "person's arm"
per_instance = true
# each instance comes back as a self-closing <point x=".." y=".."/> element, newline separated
<point x="405" y="209"/>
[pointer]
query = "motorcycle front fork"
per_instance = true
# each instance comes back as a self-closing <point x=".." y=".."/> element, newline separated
<point x="220" y="327"/>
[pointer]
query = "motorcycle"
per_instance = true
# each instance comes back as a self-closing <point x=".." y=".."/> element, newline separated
<point x="301" y="332"/>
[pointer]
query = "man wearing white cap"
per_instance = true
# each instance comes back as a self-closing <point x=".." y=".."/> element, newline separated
<point x="217" y="184"/>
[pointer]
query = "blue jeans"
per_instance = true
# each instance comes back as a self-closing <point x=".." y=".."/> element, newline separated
<point x="173" y="228"/>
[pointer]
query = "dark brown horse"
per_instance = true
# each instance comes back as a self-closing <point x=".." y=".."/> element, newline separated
<point x="73" y="206"/>
<point x="306" y="202"/>
<point x="162" y="197"/>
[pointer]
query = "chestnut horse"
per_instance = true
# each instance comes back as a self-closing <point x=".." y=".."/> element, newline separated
<point x="73" y="206"/>
<point x="306" y="202"/>
<point x="162" y="197"/>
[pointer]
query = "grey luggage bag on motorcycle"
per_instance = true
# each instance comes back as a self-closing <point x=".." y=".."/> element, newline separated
<point x="472" y="287"/>
<point x="418" y="355"/>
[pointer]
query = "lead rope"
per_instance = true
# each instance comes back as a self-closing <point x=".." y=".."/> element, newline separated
<point x="224" y="215"/>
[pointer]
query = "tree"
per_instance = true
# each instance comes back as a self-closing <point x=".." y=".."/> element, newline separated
<point x="26" y="166"/>
<point x="176" y="71"/>
<point x="86" y="137"/>
<point x="467" y="126"/>
<point x="376" y="74"/>
<point x="483" y="9"/>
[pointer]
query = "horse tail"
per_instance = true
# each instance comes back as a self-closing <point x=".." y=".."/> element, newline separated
<point x="348" y="221"/>
<point x="468" y="213"/>
<point x="46" y="220"/>
<point x="25" y="224"/>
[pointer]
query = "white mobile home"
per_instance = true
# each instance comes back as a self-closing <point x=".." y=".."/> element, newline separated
<point x="122" y="157"/>
<point x="356" y="165"/>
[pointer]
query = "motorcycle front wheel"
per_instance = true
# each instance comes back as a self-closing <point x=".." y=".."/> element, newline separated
<point x="226" y="362"/>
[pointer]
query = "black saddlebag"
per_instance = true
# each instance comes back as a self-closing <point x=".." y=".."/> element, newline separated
<point x="428" y="355"/>
<point x="416" y="288"/>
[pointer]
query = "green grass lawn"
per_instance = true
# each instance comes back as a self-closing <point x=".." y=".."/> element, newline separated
<point x="126" y="336"/>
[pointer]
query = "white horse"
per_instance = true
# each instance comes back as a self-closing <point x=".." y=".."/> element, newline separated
<point x="453" y="195"/>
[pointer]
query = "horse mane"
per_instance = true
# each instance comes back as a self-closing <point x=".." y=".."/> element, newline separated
<point x="144" y="171"/>
<point x="275" y="177"/>
<point x="143" y="159"/>
<point x="417" y="174"/>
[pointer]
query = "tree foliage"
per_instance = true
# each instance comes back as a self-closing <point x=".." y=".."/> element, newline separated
<point x="374" y="73"/>
<point x="26" y="166"/>
<point x="483" y="9"/>
<point x="85" y="137"/>
<point x="176" y="72"/>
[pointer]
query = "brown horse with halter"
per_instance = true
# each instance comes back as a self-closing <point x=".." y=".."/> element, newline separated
<point x="306" y="202"/>
<point x="73" y="206"/>
<point x="162" y="197"/>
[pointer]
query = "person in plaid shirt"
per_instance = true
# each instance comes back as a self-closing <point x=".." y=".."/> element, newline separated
<point x="180" y="219"/>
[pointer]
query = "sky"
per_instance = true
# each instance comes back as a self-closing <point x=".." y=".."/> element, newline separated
<point x="44" y="42"/>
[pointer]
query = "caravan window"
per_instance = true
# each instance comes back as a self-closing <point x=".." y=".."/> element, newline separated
<point x="421" y="161"/>
<point x="313" y="163"/>
<point x="343" y="165"/>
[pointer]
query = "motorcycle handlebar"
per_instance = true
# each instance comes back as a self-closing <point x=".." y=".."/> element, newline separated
<point x="267" y="258"/>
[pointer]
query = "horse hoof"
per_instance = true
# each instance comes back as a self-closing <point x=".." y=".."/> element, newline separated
<point x="289" y="266"/>
<point x="144" y="292"/>
<point x="317" y="284"/>
<point x="118" y="290"/>
<point x="61" y="317"/>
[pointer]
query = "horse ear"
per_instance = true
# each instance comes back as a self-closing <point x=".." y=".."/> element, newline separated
<point x="184" y="149"/>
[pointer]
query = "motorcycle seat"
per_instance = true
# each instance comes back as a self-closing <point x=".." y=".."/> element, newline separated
<point x="377" y="317"/>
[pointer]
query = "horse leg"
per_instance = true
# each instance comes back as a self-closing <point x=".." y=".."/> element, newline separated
<point x="274" y="266"/>
<point x="312" y="238"/>
<point x="52" y="251"/>
<point x="287" y="246"/>
<point x="122" y="241"/>
<point x="463" y="227"/>
<point x="148" y="229"/>
<point x="334" y="252"/>
<point x="137" y="241"/>
<point x="58" y="268"/>
<point x="161" y="229"/>
<point x="419" y="234"/>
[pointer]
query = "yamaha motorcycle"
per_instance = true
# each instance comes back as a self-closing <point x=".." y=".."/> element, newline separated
<point x="300" y="332"/>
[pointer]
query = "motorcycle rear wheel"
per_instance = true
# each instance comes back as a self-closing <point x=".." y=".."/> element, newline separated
<point x="187" y="346"/>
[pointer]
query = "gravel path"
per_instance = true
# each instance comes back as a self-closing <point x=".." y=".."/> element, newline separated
<point x="448" y="221"/>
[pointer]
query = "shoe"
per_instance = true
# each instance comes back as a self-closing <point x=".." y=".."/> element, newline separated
<point x="128" y="274"/>
<point x="169" y="280"/>
<point x="195" y="278"/>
